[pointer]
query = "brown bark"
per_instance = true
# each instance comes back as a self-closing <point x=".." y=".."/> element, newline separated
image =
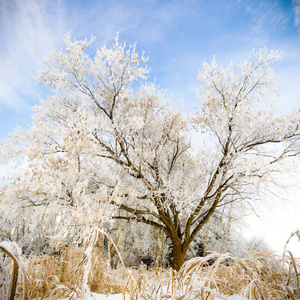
<point x="179" y="253"/>
<point x="178" y="256"/>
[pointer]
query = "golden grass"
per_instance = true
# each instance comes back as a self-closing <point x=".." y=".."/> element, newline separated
<point x="67" y="275"/>
<point x="55" y="278"/>
<point x="17" y="269"/>
<point x="260" y="276"/>
<point x="216" y="276"/>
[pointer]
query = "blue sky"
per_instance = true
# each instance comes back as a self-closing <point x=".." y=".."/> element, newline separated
<point x="176" y="35"/>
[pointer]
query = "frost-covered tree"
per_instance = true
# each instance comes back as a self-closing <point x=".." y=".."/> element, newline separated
<point x="108" y="144"/>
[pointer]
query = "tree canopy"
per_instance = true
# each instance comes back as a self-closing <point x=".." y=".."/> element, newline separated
<point x="109" y="145"/>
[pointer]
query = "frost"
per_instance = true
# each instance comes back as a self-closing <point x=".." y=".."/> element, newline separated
<point x="107" y="146"/>
<point x="12" y="248"/>
<point x="4" y="281"/>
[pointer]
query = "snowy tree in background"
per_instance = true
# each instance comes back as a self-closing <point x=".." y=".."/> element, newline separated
<point x="108" y="145"/>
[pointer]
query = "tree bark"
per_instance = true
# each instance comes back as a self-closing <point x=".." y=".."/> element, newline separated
<point x="178" y="255"/>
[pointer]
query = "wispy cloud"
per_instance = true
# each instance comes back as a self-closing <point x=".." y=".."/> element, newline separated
<point x="27" y="35"/>
<point x="296" y="10"/>
<point x="145" y="21"/>
<point x="177" y="35"/>
<point x="30" y="29"/>
<point x="267" y="16"/>
<point x="267" y="12"/>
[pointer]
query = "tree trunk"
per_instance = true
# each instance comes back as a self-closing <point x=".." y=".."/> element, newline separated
<point x="178" y="255"/>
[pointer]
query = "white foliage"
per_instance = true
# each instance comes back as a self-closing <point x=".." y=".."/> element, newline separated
<point x="108" y="144"/>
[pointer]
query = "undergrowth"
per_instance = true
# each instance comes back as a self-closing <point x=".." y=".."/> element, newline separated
<point x="77" y="271"/>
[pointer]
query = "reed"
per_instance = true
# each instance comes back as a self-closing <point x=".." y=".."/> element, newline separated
<point x="80" y="270"/>
<point x="14" y="253"/>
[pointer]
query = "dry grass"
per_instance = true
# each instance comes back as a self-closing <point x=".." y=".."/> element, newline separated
<point x="216" y="276"/>
<point x="17" y="269"/>
<point x="54" y="278"/>
<point x="260" y="276"/>
<point x="75" y="269"/>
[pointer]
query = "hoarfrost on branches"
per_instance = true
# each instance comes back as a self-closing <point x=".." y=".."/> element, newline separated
<point x="108" y="145"/>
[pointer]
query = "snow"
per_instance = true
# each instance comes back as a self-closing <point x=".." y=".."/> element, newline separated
<point x="94" y="296"/>
<point x="12" y="248"/>
<point x="236" y="297"/>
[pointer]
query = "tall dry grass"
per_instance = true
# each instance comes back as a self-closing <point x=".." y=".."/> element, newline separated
<point x="263" y="275"/>
<point x="15" y="265"/>
<point x="260" y="276"/>
<point x="55" y="278"/>
<point x="78" y="270"/>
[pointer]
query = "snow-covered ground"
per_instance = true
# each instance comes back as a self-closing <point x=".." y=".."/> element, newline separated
<point x="94" y="296"/>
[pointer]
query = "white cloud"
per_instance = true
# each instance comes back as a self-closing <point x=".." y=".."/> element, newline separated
<point x="27" y="37"/>
<point x="296" y="10"/>
<point x="146" y="22"/>
<point x="265" y="15"/>
<point x="267" y="11"/>
<point x="31" y="29"/>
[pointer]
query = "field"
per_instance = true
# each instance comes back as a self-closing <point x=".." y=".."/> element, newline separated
<point x="85" y="273"/>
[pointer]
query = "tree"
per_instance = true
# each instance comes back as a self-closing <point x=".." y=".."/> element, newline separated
<point x="109" y="144"/>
